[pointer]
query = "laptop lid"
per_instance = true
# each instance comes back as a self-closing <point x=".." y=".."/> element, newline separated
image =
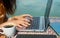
<point x="47" y="12"/>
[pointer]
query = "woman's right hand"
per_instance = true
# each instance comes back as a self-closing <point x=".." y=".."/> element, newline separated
<point x="20" y="21"/>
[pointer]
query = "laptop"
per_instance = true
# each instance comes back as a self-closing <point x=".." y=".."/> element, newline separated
<point x="40" y="23"/>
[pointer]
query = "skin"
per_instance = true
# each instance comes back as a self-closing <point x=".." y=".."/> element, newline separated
<point x="19" y="21"/>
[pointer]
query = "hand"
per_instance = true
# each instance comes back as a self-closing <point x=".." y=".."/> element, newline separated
<point x="21" y="21"/>
<point x="20" y="17"/>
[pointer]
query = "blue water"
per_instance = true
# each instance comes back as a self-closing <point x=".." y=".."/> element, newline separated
<point x="56" y="27"/>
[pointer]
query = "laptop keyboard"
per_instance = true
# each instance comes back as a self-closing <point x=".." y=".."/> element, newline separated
<point x="37" y="24"/>
<point x="35" y="36"/>
<point x="34" y="23"/>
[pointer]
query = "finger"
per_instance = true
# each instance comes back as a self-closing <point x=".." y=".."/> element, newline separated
<point x="24" y="25"/>
<point x="19" y="26"/>
<point x="26" y="20"/>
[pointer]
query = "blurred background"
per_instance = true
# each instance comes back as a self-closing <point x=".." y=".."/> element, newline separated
<point x="36" y="7"/>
